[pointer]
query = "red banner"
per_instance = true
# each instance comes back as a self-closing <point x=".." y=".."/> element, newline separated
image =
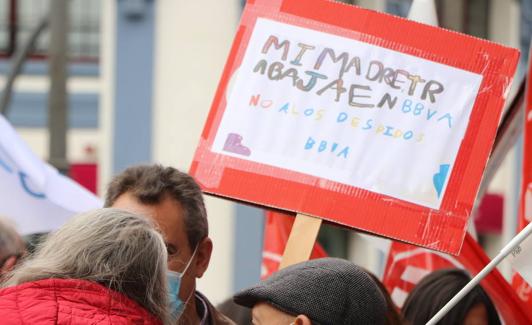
<point x="408" y="264"/>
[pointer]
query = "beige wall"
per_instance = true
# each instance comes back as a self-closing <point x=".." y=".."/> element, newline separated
<point x="107" y="78"/>
<point x="192" y="42"/>
<point x="504" y="29"/>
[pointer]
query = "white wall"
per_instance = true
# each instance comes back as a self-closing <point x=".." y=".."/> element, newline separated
<point x="107" y="78"/>
<point x="379" y="5"/>
<point x="192" y="42"/>
<point x="78" y="139"/>
<point x="504" y="29"/>
<point x="504" y="22"/>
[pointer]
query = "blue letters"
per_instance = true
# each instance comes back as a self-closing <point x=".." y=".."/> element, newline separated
<point x="324" y="145"/>
<point x="310" y="143"/>
<point x="369" y="124"/>
<point x="341" y="117"/>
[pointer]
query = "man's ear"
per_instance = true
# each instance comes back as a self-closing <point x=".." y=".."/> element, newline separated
<point x="203" y="256"/>
<point x="9" y="264"/>
<point x="302" y="320"/>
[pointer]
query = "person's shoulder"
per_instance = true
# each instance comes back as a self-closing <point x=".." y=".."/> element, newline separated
<point x="34" y="290"/>
<point x="29" y="301"/>
<point x="53" y="301"/>
<point x="215" y="316"/>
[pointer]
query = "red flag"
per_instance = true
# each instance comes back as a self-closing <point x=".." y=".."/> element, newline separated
<point x="276" y="232"/>
<point x="523" y="289"/>
<point x="408" y="264"/>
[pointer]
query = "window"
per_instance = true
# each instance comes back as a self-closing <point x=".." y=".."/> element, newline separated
<point x="18" y="18"/>
<point x="4" y="27"/>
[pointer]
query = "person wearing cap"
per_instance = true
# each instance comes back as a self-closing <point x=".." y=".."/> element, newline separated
<point x="324" y="291"/>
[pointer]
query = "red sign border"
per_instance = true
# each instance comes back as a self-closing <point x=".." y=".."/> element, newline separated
<point x="442" y="229"/>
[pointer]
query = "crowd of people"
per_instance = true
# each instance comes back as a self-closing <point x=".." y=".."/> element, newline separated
<point x="136" y="261"/>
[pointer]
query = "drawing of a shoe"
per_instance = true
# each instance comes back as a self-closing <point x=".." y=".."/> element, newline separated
<point x="233" y="144"/>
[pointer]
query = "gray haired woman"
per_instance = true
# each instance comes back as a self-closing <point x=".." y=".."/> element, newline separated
<point x="105" y="266"/>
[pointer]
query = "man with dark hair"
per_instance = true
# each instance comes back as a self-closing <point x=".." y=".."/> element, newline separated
<point x="437" y="288"/>
<point x="175" y="202"/>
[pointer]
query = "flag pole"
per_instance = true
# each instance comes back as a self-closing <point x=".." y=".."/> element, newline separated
<point x="512" y="247"/>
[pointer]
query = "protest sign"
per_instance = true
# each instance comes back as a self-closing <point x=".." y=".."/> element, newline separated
<point x="357" y="117"/>
<point x="33" y="194"/>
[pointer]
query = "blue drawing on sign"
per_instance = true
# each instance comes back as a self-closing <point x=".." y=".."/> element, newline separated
<point x="440" y="177"/>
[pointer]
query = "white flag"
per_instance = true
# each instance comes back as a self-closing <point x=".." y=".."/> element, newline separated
<point x="32" y="193"/>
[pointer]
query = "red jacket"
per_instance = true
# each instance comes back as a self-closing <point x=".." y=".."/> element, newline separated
<point x="61" y="301"/>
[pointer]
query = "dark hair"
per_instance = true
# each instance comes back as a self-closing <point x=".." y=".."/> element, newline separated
<point x="150" y="184"/>
<point x="393" y="317"/>
<point x="436" y="289"/>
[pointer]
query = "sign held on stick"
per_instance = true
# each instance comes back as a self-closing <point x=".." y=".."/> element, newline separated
<point x="324" y="111"/>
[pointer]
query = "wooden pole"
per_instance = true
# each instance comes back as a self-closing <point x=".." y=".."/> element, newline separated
<point x="301" y="240"/>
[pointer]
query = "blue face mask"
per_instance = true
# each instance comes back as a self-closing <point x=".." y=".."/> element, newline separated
<point x="177" y="306"/>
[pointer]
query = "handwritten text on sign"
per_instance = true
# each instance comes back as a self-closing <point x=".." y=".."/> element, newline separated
<point x="347" y="111"/>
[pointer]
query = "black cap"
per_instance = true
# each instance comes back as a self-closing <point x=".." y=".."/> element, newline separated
<point x="327" y="290"/>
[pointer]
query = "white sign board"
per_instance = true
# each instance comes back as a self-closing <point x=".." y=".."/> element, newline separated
<point x="347" y="111"/>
